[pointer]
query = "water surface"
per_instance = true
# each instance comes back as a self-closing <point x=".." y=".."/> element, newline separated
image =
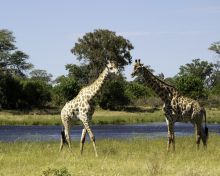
<point x="48" y="133"/>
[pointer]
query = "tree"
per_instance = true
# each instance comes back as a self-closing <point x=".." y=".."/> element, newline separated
<point x="194" y="78"/>
<point x="78" y="73"/>
<point x="65" y="89"/>
<point x="215" y="47"/>
<point x="114" y="95"/>
<point x="216" y="73"/>
<point x="136" y="91"/>
<point x="10" y="91"/>
<point x="200" y="69"/>
<point x="35" y="93"/>
<point x="16" y="90"/>
<point x="98" y="47"/>
<point x="191" y="86"/>
<point x="41" y="75"/>
<point x="11" y="59"/>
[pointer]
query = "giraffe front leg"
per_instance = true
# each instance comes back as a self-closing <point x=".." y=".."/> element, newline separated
<point x="82" y="141"/>
<point x="92" y="137"/>
<point x="198" y="134"/>
<point x="171" y="135"/>
<point x="61" y="145"/>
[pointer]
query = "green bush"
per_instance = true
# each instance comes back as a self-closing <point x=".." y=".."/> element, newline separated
<point x="35" y="94"/>
<point x="191" y="86"/>
<point x="56" y="172"/>
<point x="113" y="95"/>
<point x="135" y="90"/>
<point x="66" y="89"/>
<point x="10" y="91"/>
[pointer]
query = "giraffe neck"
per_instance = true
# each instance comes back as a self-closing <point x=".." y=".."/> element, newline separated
<point x="162" y="89"/>
<point x="97" y="84"/>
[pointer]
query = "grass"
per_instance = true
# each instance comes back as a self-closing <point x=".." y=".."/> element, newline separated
<point x="100" y="117"/>
<point x="139" y="157"/>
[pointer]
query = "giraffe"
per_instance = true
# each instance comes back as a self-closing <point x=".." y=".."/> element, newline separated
<point x="82" y="108"/>
<point x="176" y="107"/>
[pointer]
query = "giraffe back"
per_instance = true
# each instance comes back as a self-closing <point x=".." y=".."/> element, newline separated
<point x="186" y="109"/>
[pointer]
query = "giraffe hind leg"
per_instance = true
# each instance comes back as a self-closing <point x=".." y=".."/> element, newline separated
<point x="82" y="141"/>
<point x="204" y="136"/>
<point x="65" y="134"/>
<point x="198" y="138"/>
<point x="92" y="137"/>
<point x="63" y="140"/>
<point x="206" y="131"/>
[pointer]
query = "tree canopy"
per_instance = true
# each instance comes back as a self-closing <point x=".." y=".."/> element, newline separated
<point x="215" y="47"/>
<point x="11" y="59"/>
<point x="79" y="73"/>
<point x="200" y="69"/>
<point x="16" y="89"/>
<point x="42" y="75"/>
<point x="96" y="48"/>
<point x="191" y="86"/>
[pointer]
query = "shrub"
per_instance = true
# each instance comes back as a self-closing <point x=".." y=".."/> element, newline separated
<point x="66" y="89"/>
<point x="35" y="94"/>
<point x="113" y="95"/>
<point x="191" y="86"/>
<point x="56" y="172"/>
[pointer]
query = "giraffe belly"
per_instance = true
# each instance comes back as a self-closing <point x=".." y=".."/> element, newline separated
<point x="68" y="115"/>
<point x="69" y="112"/>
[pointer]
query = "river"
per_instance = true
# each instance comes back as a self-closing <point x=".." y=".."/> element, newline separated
<point x="52" y="133"/>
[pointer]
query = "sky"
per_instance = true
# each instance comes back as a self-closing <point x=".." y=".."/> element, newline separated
<point x="165" y="34"/>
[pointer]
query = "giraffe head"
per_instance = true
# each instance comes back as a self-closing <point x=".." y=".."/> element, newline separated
<point x="137" y="67"/>
<point x="112" y="68"/>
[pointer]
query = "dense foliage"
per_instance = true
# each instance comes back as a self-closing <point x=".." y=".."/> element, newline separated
<point x="65" y="89"/>
<point x="17" y="90"/>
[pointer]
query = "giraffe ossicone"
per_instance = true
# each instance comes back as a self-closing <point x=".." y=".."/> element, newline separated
<point x="176" y="106"/>
<point x="82" y="108"/>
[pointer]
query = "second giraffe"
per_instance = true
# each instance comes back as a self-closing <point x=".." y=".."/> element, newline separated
<point x="176" y="107"/>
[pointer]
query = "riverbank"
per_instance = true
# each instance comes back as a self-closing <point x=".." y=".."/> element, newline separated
<point x="100" y="117"/>
<point x="116" y="157"/>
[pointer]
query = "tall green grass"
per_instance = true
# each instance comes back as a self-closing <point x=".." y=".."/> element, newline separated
<point x="139" y="157"/>
<point x="99" y="117"/>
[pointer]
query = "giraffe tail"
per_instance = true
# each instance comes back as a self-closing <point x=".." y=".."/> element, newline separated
<point x="206" y="128"/>
<point x="63" y="136"/>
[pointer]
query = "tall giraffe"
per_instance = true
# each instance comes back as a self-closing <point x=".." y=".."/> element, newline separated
<point x="176" y="107"/>
<point x="82" y="108"/>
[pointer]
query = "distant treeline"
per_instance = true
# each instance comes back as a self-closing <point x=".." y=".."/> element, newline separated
<point x="24" y="87"/>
